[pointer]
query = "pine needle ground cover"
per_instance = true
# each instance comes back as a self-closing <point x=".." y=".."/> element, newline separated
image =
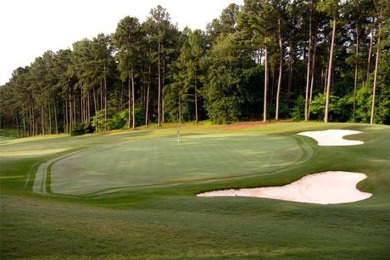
<point x="132" y="195"/>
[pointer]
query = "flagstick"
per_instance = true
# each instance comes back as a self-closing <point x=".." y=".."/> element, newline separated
<point x="178" y="137"/>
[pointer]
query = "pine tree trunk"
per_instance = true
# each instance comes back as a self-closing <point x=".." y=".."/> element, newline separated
<point x="163" y="73"/>
<point x="133" y="100"/>
<point x="326" y="118"/>
<point x="159" y="86"/>
<point x="290" y="71"/>
<point x="280" y="70"/>
<point x="31" y="120"/>
<point x="273" y="82"/>
<point x="81" y="106"/>
<point x="95" y="101"/>
<point x="180" y="119"/>
<point x="129" y="105"/>
<point x="308" y="64"/>
<point x="375" y="76"/>
<point x="74" y="110"/>
<point x="356" y="75"/>
<point x="34" y="132"/>
<point x="101" y="95"/>
<point x="50" y="119"/>
<point x="17" y="125"/>
<point x="55" y="118"/>
<point x="265" y="84"/>
<point x="66" y="116"/>
<point x="369" y="56"/>
<point x="105" y="99"/>
<point x="42" y="120"/>
<point x="313" y="62"/>
<point x="121" y="98"/>
<point x="196" y="100"/>
<point x="24" y="120"/>
<point x="147" y="98"/>
<point x="89" y="107"/>
<point x="147" y="105"/>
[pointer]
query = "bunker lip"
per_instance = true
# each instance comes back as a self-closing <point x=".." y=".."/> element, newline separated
<point x="332" y="187"/>
<point x="332" y="137"/>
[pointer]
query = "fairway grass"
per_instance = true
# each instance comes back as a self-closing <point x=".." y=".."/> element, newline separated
<point x="131" y="195"/>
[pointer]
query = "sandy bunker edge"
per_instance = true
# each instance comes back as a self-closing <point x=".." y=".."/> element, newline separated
<point x="332" y="187"/>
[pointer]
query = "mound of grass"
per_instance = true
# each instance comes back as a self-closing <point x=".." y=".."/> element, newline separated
<point x="171" y="160"/>
<point x="155" y="215"/>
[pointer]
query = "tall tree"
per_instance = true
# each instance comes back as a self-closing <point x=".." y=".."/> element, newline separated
<point x="102" y="51"/>
<point x="87" y="71"/>
<point x="382" y="6"/>
<point x="259" y="26"/>
<point x="229" y="69"/>
<point x="159" y="23"/>
<point x="148" y="58"/>
<point x="358" y="14"/>
<point x="226" y="24"/>
<point x="196" y="52"/>
<point x="309" y="57"/>
<point x="92" y="63"/>
<point x="43" y="83"/>
<point x="128" y="39"/>
<point x="279" y="10"/>
<point x="16" y="102"/>
<point x="331" y="8"/>
<point x="188" y="69"/>
<point x="62" y="67"/>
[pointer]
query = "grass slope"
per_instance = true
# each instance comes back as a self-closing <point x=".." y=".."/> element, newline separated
<point x="162" y="161"/>
<point x="165" y="220"/>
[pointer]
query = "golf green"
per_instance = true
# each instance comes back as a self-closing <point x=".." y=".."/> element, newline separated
<point x="129" y="163"/>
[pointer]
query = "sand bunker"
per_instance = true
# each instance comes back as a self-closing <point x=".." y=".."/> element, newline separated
<point x="321" y="188"/>
<point x="332" y="137"/>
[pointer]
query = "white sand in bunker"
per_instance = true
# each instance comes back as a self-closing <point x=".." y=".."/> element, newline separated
<point x="333" y="137"/>
<point x="321" y="188"/>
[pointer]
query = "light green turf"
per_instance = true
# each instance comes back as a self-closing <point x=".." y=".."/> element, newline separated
<point x="167" y="161"/>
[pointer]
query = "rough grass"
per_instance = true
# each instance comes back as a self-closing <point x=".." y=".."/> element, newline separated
<point x="168" y="222"/>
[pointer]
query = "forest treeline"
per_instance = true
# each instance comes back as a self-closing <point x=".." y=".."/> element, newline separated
<point x="267" y="59"/>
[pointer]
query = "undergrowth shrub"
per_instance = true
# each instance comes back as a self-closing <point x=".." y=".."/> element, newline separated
<point x="81" y="128"/>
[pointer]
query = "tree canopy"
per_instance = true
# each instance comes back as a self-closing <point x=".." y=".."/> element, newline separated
<point x="318" y="59"/>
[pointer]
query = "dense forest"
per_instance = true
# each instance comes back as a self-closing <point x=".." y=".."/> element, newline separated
<point x="266" y="60"/>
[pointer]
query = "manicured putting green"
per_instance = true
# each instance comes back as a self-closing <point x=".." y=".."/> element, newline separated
<point x="129" y="164"/>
